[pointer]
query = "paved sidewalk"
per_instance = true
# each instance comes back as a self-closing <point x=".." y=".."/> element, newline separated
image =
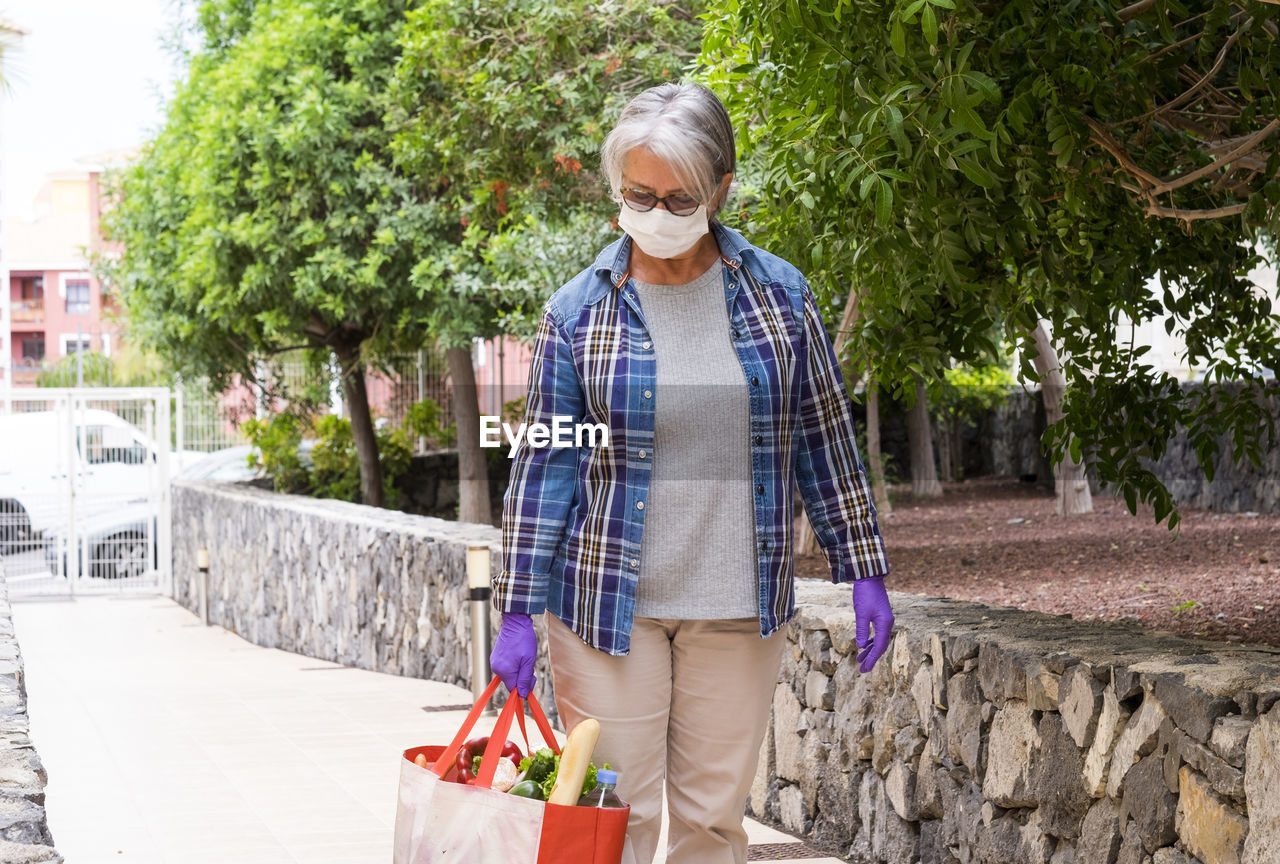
<point x="167" y="742"/>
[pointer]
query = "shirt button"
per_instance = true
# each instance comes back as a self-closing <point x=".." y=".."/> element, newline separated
<point x="759" y="439"/>
<point x="732" y="286"/>
<point x="635" y="562"/>
<point x="759" y="490"/>
<point x="643" y="453"/>
<point x="764" y="545"/>
<point x="639" y="505"/>
<point x="648" y="394"/>
<point x="736" y="334"/>
<point x="647" y="345"/>
<point x="755" y="382"/>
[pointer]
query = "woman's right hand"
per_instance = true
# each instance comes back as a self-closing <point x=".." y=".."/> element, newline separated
<point x="515" y="653"/>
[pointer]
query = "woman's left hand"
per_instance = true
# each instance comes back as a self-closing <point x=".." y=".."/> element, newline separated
<point x="871" y="608"/>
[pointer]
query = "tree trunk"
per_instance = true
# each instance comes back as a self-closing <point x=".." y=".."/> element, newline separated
<point x="942" y="435"/>
<point x="924" y="474"/>
<point x="1070" y="483"/>
<point x="875" y="460"/>
<point x="357" y="399"/>
<point x="473" y="470"/>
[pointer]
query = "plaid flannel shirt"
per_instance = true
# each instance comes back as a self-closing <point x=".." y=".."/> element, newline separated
<point x="573" y="517"/>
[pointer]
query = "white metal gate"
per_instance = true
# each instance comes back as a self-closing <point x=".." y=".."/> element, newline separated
<point x="84" y="490"/>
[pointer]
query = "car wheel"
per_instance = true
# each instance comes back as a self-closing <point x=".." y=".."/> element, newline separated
<point x="122" y="556"/>
<point x="15" y="526"/>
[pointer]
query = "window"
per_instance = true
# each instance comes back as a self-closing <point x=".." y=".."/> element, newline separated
<point x="33" y="350"/>
<point x="77" y="297"/>
<point x="107" y="444"/>
<point x="33" y="288"/>
<point x="73" y="345"/>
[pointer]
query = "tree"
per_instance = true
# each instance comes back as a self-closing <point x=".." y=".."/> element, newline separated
<point x="499" y="108"/>
<point x="995" y="166"/>
<point x="268" y="214"/>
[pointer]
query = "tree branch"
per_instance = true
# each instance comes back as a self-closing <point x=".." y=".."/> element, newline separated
<point x="1154" y="209"/>
<point x="1133" y="10"/>
<point x="1195" y="88"/>
<point x="1100" y="137"/>
<point x="1168" y="184"/>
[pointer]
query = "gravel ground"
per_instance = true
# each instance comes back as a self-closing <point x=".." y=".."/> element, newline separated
<point x="998" y="541"/>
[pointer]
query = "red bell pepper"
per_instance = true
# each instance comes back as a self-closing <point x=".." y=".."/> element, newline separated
<point x="469" y="756"/>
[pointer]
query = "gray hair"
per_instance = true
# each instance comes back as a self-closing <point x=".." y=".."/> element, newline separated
<point x="687" y="127"/>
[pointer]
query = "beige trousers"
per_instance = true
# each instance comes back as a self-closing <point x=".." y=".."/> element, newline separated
<point x="689" y="706"/>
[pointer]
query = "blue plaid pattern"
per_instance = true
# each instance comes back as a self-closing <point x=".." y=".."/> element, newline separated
<point x="573" y="517"/>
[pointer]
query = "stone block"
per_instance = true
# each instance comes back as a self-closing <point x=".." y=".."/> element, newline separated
<point x="1262" y="790"/>
<point x="787" y="744"/>
<point x="940" y="667"/>
<point x="1013" y="747"/>
<point x="1099" y="841"/>
<point x="1002" y="673"/>
<point x="23" y="853"/>
<point x="819" y="691"/>
<point x="1104" y="739"/>
<point x="922" y="694"/>
<point x="1080" y="703"/>
<point x="817" y="649"/>
<point x="1043" y="688"/>
<point x="21" y="772"/>
<point x="1035" y="846"/>
<point x="905" y="656"/>
<point x="1131" y="851"/>
<point x="1138" y="739"/>
<point x="1209" y="828"/>
<point x="1222" y="777"/>
<point x="1057" y="780"/>
<point x="791" y="810"/>
<point x="1230" y="737"/>
<point x="1148" y="801"/>
<point x="964" y="721"/>
<point x="900" y="787"/>
<point x="928" y="792"/>
<point x="1170" y="855"/>
<point x="1192" y="709"/>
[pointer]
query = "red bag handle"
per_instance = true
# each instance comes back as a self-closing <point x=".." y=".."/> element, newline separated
<point x="514" y="707"/>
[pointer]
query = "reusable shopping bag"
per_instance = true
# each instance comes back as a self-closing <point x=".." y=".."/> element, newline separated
<point x="441" y="820"/>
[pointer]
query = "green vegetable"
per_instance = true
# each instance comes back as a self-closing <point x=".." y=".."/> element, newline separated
<point x="543" y="767"/>
<point x="528" y="789"/>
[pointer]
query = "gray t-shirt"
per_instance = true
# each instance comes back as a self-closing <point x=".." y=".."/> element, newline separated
<point x="697" y="555"/>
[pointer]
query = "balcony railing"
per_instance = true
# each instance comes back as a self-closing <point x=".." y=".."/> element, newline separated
<point x="27" y="311"/>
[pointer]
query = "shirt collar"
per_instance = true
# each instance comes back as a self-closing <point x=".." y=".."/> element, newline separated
<point x="611" y="264"/>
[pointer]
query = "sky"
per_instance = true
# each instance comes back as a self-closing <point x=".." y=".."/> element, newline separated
<point x="90" y="76"/>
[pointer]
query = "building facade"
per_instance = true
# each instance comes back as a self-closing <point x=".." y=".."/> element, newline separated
<point x="55" y="306"/>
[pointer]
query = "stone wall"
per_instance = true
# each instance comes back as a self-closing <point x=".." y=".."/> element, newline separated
<point x="24" y="829"/>
<point x="995" y="736"/>
<point x="370" y="588"/>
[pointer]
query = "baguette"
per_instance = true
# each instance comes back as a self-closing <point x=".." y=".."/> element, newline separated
<point x="574" y="760"/>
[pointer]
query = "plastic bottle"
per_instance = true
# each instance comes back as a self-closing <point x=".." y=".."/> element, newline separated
<point x="605" y="794"/>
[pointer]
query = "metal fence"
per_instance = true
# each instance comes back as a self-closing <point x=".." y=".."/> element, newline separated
<point x="84" y="489"/>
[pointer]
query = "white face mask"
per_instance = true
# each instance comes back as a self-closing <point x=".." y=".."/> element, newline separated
<point x="662" y="234"/>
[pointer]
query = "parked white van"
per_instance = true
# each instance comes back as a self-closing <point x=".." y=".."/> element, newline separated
<point x="50" y="466"/>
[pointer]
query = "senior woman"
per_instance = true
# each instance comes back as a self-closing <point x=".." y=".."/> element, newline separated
<point x="663" y="562"/>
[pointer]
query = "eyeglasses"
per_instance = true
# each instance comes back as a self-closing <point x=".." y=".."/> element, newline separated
<point x="643" y="202"/>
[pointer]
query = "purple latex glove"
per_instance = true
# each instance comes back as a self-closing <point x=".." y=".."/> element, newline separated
<point x="871" y="607"/>
<point x="515" y="653"/>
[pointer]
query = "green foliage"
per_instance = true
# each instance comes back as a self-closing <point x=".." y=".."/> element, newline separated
<point x="943" y="159"/>
<point x="499" y="108"/>
<point x="965" y="393"/>
<point x="98" y="371"/>
<point x="276" y="441"/>
<point x="337" y="467"/>
<point x="425" y="420"/>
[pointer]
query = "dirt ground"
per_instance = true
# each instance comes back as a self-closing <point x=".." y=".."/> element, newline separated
<point x="996" y="540"/>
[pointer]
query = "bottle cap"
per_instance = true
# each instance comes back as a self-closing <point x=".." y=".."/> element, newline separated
<point x="604" y="775"/>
